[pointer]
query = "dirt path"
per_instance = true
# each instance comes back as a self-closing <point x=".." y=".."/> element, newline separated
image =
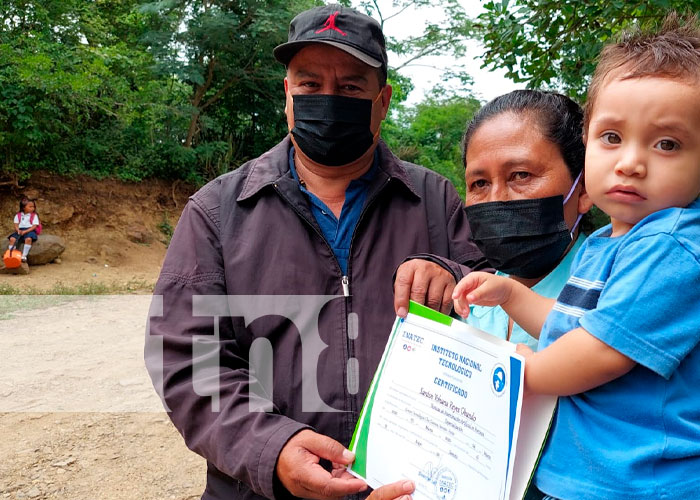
<point x="78" y="416"/>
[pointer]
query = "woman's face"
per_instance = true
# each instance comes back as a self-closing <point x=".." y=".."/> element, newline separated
<point x="509" y="159"/>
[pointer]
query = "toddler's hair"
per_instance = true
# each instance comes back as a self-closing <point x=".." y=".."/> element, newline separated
<point x="673" y="51"/>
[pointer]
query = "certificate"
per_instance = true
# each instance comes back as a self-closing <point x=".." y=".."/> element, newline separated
<point x="444" y="410"/>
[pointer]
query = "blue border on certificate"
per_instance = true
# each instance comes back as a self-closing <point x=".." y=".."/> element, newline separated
<point x="515" y="369"/>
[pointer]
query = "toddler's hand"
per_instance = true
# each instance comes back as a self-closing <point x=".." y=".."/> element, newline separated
<point x="524" y="351"/>
<point x="484" y="289"/>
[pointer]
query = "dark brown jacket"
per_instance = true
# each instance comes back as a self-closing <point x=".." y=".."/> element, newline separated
<point x="251" y="232"/>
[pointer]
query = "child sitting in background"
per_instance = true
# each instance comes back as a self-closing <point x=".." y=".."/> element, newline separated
<point x="621" y="344"/>
<point x="26" y="221"/>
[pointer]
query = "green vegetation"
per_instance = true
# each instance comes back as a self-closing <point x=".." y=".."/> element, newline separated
<point x="188" y="89"/>
<point x="86" y="288"/>
<point x="174" y="89"/>
<point x="430" y="133"/>
<point x="555" y="43"/>
<point x="166" y="228"/>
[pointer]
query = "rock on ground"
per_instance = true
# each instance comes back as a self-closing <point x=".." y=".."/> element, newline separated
<point x="46" y="249"/>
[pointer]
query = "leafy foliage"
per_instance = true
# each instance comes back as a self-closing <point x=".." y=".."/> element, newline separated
<point x="180" y="89"/>
<point x="444" y="36"/>
<point x="77" y="93"/>
<point x="430" y="133"/>
<point x="222" y="50"/>
<point x="549" y="43"/>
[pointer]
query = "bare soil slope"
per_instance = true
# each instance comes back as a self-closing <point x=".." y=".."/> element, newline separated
<point x="79" y="455"/>
<point x="94" y="217"/>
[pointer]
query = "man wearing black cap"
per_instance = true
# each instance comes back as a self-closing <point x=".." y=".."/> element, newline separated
<point x="304" y="241"/>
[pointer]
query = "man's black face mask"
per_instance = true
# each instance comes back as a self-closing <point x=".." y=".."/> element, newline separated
<point x="332" y="130"/>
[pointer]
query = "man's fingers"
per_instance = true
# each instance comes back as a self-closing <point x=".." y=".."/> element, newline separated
<point x="392" y="491"/>
<point x="419" y="288"/>
<point x="318" y="483"/>
<point x="402" y="288"/>
<point x="330" y="449"/>
<point x="299" y="471"/>
<point x="446" y="307"/>
<point x="423" y="282"/>
<point x="436" y="291"/>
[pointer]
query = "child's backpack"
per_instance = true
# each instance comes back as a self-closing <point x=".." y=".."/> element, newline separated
<point x="37" y="230"/>
<point x="12" y="258"/>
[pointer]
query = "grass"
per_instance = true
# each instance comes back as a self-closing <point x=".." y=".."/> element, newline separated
<point x="86" y="288"/>
<point x="13" y="299"/>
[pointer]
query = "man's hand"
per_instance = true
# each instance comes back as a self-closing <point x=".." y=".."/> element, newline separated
<point x="399" y="490"/>
<point x="423" y="282"/>
<point x="299" y="471"/>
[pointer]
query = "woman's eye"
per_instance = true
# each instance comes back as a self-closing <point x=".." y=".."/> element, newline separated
<point x="611" y="138"/>
<point x="667" y="145"/>
<point x="519" y="176"/>
<point x="478" y="184"/>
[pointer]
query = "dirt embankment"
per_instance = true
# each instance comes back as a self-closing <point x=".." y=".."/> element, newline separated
<point x="89" y="454"/>
<point x="94" y="218"/>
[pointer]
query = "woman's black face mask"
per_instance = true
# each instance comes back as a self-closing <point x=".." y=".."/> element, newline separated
<point x="332" y="130"/>
<point x="525" y="238"/>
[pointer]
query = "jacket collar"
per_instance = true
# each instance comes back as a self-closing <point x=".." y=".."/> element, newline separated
<point x="273" y="166"/>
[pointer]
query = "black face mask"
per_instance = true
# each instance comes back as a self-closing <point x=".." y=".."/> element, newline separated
<point x="525" y="238"/>
<point x="332" y="130"/>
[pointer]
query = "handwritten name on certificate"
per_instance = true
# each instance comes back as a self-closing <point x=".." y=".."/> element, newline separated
<point x="443" y="410"/>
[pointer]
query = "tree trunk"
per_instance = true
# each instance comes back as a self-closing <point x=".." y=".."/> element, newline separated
<point x="192" y="129"/>
<point x="199" y="92"/>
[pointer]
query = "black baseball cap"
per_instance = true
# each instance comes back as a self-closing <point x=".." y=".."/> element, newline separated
<point x="342" y="27"/>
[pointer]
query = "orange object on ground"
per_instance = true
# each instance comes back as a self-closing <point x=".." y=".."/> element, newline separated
<point x="12" y="258"/>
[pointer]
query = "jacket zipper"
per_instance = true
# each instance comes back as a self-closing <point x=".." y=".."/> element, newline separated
<point x="345" y="279"/>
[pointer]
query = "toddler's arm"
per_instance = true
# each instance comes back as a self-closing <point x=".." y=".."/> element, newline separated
<point x="574" y="363"/>
<point x="527" y="308"/>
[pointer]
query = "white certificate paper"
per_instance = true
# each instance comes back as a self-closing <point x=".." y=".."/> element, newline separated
<point x="444" y="409"/>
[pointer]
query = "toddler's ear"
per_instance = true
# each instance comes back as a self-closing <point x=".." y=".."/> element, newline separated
<point x="584" y="200"/>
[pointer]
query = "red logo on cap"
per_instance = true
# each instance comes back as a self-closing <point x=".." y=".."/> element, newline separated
<point x="330" y="24"/>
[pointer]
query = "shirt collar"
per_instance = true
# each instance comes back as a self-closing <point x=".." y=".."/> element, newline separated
<point x="273" y="166"/>
<point x="363" y="179"/>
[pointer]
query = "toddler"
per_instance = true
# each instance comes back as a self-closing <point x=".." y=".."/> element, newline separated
<point x="620" y="345"/>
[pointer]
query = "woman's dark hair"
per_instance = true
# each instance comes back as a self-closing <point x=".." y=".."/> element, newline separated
<point x="560" y="120"/>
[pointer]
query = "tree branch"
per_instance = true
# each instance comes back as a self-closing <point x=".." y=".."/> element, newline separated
<point x="219" y="93"/>
<point x="425" y="52"/>
<point x="399" y="12"/>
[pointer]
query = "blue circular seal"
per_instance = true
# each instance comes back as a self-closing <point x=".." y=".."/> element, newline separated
<point x="498" y="379"/>
<point x="445" y="484"/>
